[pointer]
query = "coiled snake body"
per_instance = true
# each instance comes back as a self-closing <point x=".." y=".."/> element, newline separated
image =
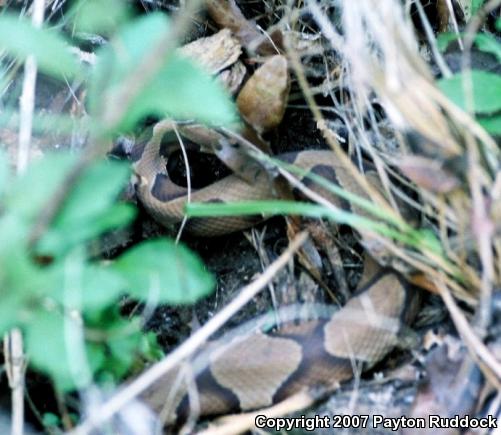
<point x="260" y="369"/>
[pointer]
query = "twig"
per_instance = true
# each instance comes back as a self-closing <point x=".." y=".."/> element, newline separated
<point x="444" y="69"/>
<point x="483" y="229"/>
<point x="13" y="344"/>
<point x="27" y="101"/>
<point x="15" y="364"/>
<point x="186" y="349"/>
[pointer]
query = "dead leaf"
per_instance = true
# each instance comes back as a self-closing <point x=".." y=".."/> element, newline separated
<point x="263" y="99"/>
<point x="214" y="53"/>
<point x="428" y="174"/>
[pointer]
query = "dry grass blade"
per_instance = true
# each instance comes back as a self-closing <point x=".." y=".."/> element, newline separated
<point x="384" y="60"/>
<point x="487" y="362"/>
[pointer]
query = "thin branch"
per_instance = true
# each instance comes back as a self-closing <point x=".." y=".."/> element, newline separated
<point x="14" y="366"/>
<point x="27" y="101"/>
<point x="14" y="354"/>
<point x="444" y="69"/>
<point x="190" y="346"/>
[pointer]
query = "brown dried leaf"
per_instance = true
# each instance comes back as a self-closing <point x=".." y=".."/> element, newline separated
<point x="214" y="53"/>
<point x="428" y="174"/>
<point x="228" y="15"/>
<point x="263" y="99"/>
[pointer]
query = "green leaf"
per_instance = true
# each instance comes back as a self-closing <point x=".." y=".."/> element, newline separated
<point x="98" y="16"/>
<point x="122" y="341"/>
<point x="498" y="24"/>
<point x="476" y="5"/>
<point x="150" y="348"/>
<point x="50" y="420"/>
<point x="54" y="345"/>
<point x="19" y="38"/>
<point x="32" y="190"/>
<point x="486" y="90"/>
<point x="101" y="287"/>
<point x="178" y="92"/>
<point x="96" y="354"/>
<point x="95" y="288"/>
<point x="124" y="344"/>
<point x="4" y="172"/>
<point x="492" y="124"/>
<point x="162" y="271"/>
<point x="89" y="209"/>
<point x="96" y="190"/>
<point x="444" y="39"/>
<point x="22" y="282"/>
<point x="278" y="207"/>
<point x="177" y="89"/>
<point x="61" y="238"/>
<point x="489" y="44"/>
<point x="483" y="41"/>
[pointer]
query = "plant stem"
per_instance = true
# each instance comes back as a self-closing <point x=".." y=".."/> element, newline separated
<point x="13" y="342"/>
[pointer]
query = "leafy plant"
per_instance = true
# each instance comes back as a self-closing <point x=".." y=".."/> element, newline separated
<point x="190" y="86"/>
<point x="486" y="86"/>
<point x="177" y="87"/>
<point x="68" y="308"/>
<point x="486" y="93"/>
<point x="476" y="5"/>
<point x="65" y="302"/>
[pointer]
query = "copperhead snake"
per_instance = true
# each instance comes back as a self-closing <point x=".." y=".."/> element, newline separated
<point x="258" y="370"/>
<point x="261" y="369"/>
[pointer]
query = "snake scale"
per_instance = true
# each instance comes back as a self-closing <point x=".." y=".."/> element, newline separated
<point x="261" y="369"/>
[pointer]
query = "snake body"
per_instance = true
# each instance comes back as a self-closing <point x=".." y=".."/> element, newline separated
<point x="165" y="201"/>
<point x="261" y="369"/>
